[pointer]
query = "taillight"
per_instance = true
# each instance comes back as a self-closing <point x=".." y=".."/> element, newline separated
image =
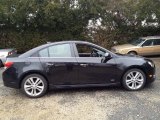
<point x="10" y="53"/>
<point x="8" y="64"/>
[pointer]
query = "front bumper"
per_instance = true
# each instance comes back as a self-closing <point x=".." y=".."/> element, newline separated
<point x="151" y="77"/>
<point x="151" y="73"/>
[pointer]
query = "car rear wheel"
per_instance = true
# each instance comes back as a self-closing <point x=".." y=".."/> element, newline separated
<point x="34" y="86"/>
<point x="134" y="79"/>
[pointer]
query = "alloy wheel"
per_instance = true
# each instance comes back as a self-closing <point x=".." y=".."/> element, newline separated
<point x="134" y="80"/>
<point x="34" y="86"/>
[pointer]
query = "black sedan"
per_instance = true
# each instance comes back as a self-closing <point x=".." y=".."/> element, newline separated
<point x="75" y="64"/>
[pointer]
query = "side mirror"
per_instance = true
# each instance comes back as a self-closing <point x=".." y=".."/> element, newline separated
<point x="107" y="55"/>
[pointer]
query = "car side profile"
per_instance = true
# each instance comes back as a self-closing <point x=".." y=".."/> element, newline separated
<point x="74" y="64"/>
<point x="143" y="46"/>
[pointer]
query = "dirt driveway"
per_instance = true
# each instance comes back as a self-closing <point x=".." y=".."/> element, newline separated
<point x="111" y="103"/>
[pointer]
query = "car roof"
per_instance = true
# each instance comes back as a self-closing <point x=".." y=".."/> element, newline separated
<point x="70" y="41"/>
<point x="151" y="37"/>
<point x="32" y="51"/>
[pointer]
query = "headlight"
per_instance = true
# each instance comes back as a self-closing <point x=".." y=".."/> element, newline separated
<point x="151" y="64"/>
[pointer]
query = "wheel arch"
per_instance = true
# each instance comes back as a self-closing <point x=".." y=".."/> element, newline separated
<point x="133" y="67"/>
<point x="133" y="51"/>
<point x="29" y="73"/>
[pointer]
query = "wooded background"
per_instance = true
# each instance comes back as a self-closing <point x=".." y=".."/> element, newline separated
<point x="25" y="24"/>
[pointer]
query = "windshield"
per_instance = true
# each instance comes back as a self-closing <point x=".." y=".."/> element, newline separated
<point x="136" y="41"/>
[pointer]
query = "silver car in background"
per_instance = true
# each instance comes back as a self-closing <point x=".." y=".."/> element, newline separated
<point x="4" y="53"/>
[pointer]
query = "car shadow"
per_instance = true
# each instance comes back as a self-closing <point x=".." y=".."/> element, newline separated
<point x="95" y="89"/>
<point x="88" y="89"/>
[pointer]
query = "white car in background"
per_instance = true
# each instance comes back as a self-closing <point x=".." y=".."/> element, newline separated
<point x="4" y="53"/>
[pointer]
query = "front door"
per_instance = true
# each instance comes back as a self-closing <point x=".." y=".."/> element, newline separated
<point x="147" y="48"/>
<point x="91" y="68"/>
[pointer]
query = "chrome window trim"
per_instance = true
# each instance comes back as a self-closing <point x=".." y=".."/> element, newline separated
<point x="65" y="57"/>
<point x="51" y="57"/>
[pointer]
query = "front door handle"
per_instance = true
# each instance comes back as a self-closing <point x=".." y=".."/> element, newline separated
<point x="84" y="65"/>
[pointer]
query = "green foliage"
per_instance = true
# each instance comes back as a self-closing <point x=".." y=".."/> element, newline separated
<point x="25" y="24"/>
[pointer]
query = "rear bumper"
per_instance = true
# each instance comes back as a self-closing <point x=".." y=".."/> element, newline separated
<point x="10" y="80"/>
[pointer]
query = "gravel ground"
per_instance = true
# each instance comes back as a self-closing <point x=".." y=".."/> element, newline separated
<point x="112" y="103"/>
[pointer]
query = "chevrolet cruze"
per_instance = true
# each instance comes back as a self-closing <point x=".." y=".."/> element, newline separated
<point x="75" y="64"/>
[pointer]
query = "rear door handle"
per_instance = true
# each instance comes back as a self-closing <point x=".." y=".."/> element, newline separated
<point x="50" y="64"/>
<point x="84" y="65"/>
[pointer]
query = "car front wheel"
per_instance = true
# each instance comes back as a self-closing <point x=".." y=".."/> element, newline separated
<point x="34" y="85"/>
<point x="134" y="79"/>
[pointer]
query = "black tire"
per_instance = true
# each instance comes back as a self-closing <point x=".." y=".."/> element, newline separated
<point x="132" y="53"/>
<point x="128" y="87"/>
<point x="43" y="83"/>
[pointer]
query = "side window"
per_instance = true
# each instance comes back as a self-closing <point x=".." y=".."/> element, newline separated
<point x="89" y="51"/>
<point x="84" y="50"/>
<point x="43" y="53"/>
<point x="148" y="43"/>
<point x="62" y="50"/>
<point x="157" y="42"/>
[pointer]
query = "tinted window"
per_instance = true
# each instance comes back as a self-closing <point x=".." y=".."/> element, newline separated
<point x="89" y="51"/>
<point x="157" y="42"/>
<point x="148" y="43"/>
<point x="43" y="53"/>
<point x="84" y="48"/>
<point x="62" y="50"/>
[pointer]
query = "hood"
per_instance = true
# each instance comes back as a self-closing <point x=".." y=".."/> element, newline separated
<point x="133" y="57"/>
<point x="125" y="46"/>
<point x="128" y="55"/>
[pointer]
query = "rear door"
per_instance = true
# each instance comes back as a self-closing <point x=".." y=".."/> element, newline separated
<point x="156" y="48"/>
<point x="60" y="64"/>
